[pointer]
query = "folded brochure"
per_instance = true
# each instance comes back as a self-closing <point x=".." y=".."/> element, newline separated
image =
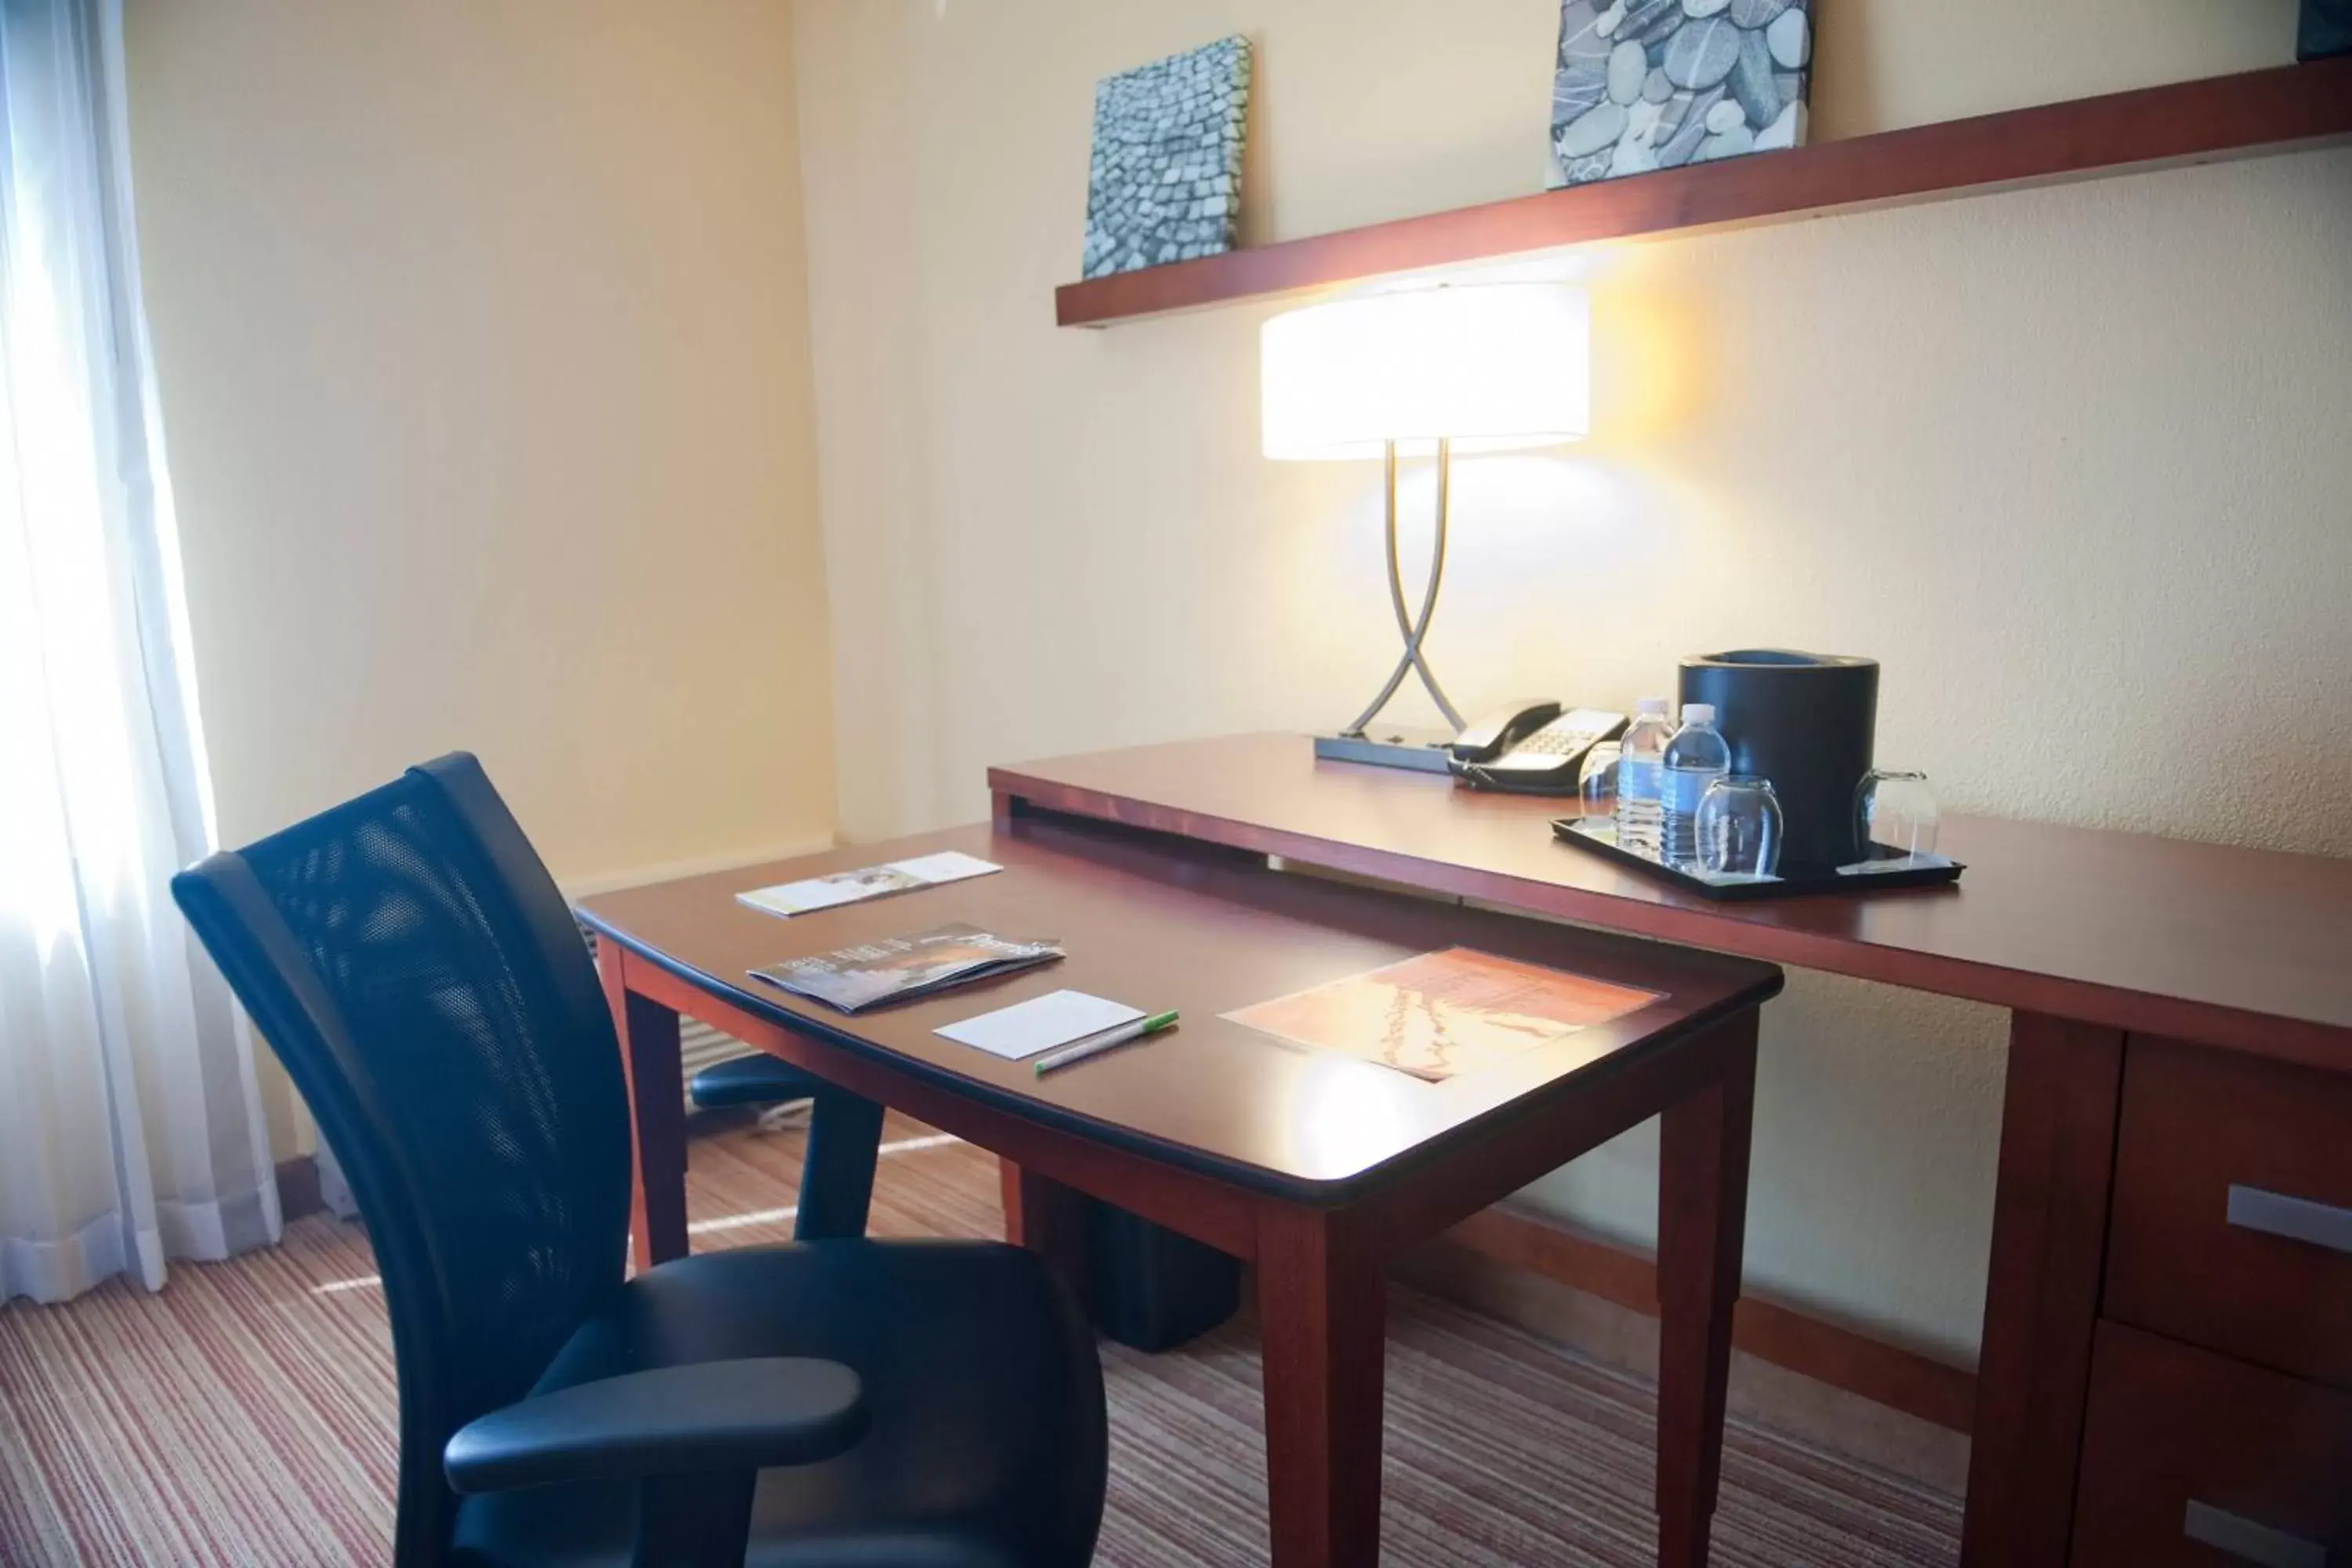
<point x="867" y="883"/>
<point x="897" y="968"/>
<point x="1439" y="1014"/>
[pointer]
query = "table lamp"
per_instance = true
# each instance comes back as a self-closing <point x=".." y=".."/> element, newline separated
<point x="1462" y="368"/>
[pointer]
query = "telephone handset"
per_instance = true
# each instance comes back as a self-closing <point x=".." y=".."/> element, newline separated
<point x="1532" y="746"/>
<point x="1502" y="729"/>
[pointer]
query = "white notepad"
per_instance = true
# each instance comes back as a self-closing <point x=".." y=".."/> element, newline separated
<point x="867" y="883"/>
<point x="1040" y="1023"/>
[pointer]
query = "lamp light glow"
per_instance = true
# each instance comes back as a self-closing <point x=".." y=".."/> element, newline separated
<point x="1489" y="366"/>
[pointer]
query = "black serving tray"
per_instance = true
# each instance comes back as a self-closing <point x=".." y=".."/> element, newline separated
<point x="1794" y="881"/>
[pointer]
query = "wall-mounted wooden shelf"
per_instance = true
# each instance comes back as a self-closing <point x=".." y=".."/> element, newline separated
<point x="2260" y="112"/>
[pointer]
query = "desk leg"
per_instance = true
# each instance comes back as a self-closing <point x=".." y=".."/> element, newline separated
<point x="2041" y="1302"/>
<point x="1321" y="1312"/>
<point x="649" y="1060"/>
<point x="1047" y="1218"/>
<point x="1702" y="1222"/>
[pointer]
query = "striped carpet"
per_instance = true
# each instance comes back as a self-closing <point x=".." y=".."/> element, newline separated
<point x="244" y="1415"/>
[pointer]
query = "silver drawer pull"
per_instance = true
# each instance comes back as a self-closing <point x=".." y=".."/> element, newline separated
<point x="2249" y="1542"/>
<point x="2297" y="1219"/>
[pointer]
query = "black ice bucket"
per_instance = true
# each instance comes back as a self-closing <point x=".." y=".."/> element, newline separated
<point x="1804" y="720"/>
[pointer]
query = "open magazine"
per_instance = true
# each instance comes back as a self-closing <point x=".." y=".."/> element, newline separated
<point x="898" y="968"/>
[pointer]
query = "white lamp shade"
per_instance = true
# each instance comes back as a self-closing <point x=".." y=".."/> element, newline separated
<point x="1491" y="366"/>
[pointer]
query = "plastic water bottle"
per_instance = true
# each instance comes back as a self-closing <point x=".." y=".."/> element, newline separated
<point x="1640" y="757"/>
<point x="1695" y="759"/>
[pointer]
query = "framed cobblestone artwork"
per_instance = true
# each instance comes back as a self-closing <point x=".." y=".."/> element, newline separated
<point x="2324" y="30"/>
<point x="1167" y="175"/>
<point x="1654" y="84"/>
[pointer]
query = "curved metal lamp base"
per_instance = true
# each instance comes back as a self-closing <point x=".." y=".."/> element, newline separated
<point x="1414" y="628"/>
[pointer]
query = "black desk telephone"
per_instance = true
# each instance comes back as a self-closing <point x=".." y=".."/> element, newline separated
<point x="1532" y="747"/>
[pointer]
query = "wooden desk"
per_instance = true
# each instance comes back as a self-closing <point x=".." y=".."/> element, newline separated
<point x="2113" y="950"/>
<point x="1318" y="1169"/>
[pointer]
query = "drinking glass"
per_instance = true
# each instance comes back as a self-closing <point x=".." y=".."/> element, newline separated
<point x="1738" y="827"/>
<point x="1894" y="815"/>
<point x="1596" y="785"/>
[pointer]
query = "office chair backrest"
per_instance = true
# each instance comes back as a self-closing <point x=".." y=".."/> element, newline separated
<point x="411" y="964"/>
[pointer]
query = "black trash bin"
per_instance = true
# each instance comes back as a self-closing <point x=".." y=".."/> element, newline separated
<point x="1148" y="1286"/>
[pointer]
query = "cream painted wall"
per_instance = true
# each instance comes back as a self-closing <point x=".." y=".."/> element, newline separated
<point x="2070" y="462"/>
<point x="482" y="330"/>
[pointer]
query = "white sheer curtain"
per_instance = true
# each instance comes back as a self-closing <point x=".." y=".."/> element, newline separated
<point x="128" y="1127"/>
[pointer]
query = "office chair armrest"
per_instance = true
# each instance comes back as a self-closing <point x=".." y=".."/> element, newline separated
<point x="698" y="1418"/>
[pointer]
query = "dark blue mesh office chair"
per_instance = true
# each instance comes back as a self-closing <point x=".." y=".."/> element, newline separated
<point x="844" y="1135"/>
<point x="936" y="1403"/>
<point x="751" y="1080"/>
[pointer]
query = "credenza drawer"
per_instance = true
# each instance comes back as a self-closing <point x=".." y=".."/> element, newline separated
<point x="2232" y="1218"/>
<point x="2191" y="1459"/>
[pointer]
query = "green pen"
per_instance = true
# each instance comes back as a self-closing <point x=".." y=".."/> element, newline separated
<point x="1117" y="1035"/>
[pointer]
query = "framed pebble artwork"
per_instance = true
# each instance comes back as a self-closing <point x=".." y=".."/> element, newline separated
<point x="1166" y="180"/>
<point x="2324" y="29"/>
<point x="1654" y="84"/>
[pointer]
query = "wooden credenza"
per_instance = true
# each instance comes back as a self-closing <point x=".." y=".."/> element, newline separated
<point x="2166" y="1376"/>
<point x="2219" y="1420"/>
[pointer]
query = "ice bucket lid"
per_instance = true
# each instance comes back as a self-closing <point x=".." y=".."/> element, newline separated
<point x="1775" y="658"/>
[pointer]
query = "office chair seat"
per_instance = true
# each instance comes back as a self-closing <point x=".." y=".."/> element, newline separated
<point x="751" y="1080"/>
<point x="978" y="1370"/>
